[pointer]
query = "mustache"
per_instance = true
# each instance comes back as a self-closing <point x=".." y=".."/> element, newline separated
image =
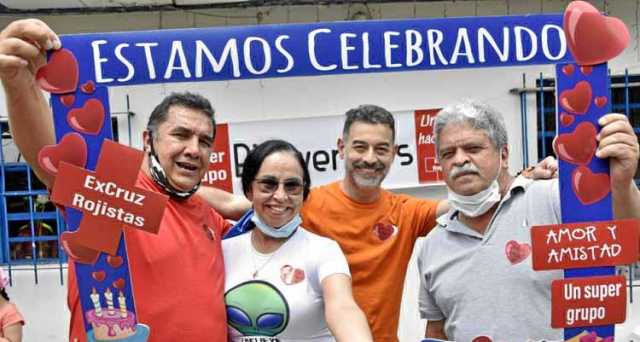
<point x="377" y="166"/>
<point x="465" y="169"/>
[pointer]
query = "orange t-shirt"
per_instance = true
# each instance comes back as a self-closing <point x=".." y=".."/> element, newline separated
<point x="9" y="315"/>
<point x="377" y="239"/>
<point x="177" y="275"/>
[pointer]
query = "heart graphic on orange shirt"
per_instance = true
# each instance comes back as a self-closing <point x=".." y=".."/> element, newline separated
<point x="384" y="231"/>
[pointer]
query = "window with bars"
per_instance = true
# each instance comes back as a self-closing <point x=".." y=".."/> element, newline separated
<point x="30" y="223"/>
<point x="624" y="96"/>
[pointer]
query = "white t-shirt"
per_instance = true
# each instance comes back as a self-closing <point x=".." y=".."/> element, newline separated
<point x="283" y="301"/>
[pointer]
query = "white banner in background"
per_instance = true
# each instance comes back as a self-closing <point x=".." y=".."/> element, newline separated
<point x="316" y="138"/>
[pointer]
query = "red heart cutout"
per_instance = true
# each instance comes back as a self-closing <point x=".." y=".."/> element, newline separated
<point x="383" y="230"/>
<point x="568" y="69"/>
<point x="592" y="37"/>
<point x="68" y="100"/>
<point x="517" y="252"/>
<point x="482" y="339"/>
<point x="566" y="119"/>
<point x="577" y="147"/>
<point x="119" y="283"/>
<point x="78" y="252"/>
<point x="590" y="187"/>
<point x="591" y="337"/>
<point x="298" y="275"/>
<point x="60" y="74"/>
<point x="88" y="87"/>
<point x="114" y="261"/>
<point x="98" y="275"/>
<point x="578" y="99"/>
<point x="89" y="118"/>
<point x="290" y="275"/>
<point x="600" y="101"/>
<point x="586" y="70"/>
<point x="71" y="149"/>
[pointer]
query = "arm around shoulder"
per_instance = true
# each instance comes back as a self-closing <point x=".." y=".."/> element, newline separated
<point x="229" y="205"/>
<point x="420" y="213"/>
<point x="435" y="329"/>
<point x="345" y="319"/>
<point x="442" y="208"/>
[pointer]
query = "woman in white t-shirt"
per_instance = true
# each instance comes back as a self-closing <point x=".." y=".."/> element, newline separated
<point x="284" y="283"/>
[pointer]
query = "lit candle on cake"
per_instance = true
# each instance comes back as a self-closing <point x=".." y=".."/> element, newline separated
<point x="122" y="303"/>
<point x="109" y="296"/>
<point x="95" y="298"/>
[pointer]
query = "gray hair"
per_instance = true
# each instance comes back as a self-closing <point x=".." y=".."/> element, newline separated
<point x="477" y="114"/>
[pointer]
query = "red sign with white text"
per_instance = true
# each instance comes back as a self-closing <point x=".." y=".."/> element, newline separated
<point x="585" y="244"/>
<point x="109" y="200"/>
<point x="219" y="173"/>
<point x="428" y="168"/>
<point x="581" y="302"/>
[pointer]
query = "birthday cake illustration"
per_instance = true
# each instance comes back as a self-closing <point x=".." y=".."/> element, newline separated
<point x="110" y="324"/>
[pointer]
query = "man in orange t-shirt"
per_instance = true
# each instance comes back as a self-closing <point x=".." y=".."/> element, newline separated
<point x="375" y="228"/>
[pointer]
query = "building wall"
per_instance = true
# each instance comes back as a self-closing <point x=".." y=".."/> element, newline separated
<point x="245" y="100"/>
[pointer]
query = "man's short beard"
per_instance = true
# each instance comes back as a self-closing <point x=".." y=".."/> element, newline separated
<point x="367" y="182"/>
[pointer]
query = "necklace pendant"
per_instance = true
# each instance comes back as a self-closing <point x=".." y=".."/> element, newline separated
<point x="255" y="274"/>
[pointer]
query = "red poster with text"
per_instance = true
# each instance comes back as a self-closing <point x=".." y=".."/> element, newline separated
<point x="583" y="302"/>
<point x="428" y="168"/>
<point x="219" y="173"/>
<point x="585" y="244"/>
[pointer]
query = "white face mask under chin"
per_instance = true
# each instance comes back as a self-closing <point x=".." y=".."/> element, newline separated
<point x="477" y="204"/>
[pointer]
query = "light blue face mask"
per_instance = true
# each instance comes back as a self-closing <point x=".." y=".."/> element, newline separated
<point x="280" y="233"/>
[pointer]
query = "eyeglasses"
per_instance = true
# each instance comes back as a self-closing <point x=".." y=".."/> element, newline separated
<point x="292" y="187"/>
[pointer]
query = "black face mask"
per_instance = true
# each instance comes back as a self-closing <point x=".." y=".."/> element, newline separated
<point x="160" y="177"/>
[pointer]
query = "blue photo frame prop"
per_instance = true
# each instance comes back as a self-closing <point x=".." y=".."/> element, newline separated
<point x="319" y="49"/>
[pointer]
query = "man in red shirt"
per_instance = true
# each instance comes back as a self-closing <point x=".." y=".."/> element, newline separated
<point x="178" y="274"/>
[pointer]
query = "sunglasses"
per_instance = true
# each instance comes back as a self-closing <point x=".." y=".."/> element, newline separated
<point x="270" y="185"/>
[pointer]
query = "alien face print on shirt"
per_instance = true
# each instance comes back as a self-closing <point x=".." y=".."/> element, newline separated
<point x="257" y="311"/>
